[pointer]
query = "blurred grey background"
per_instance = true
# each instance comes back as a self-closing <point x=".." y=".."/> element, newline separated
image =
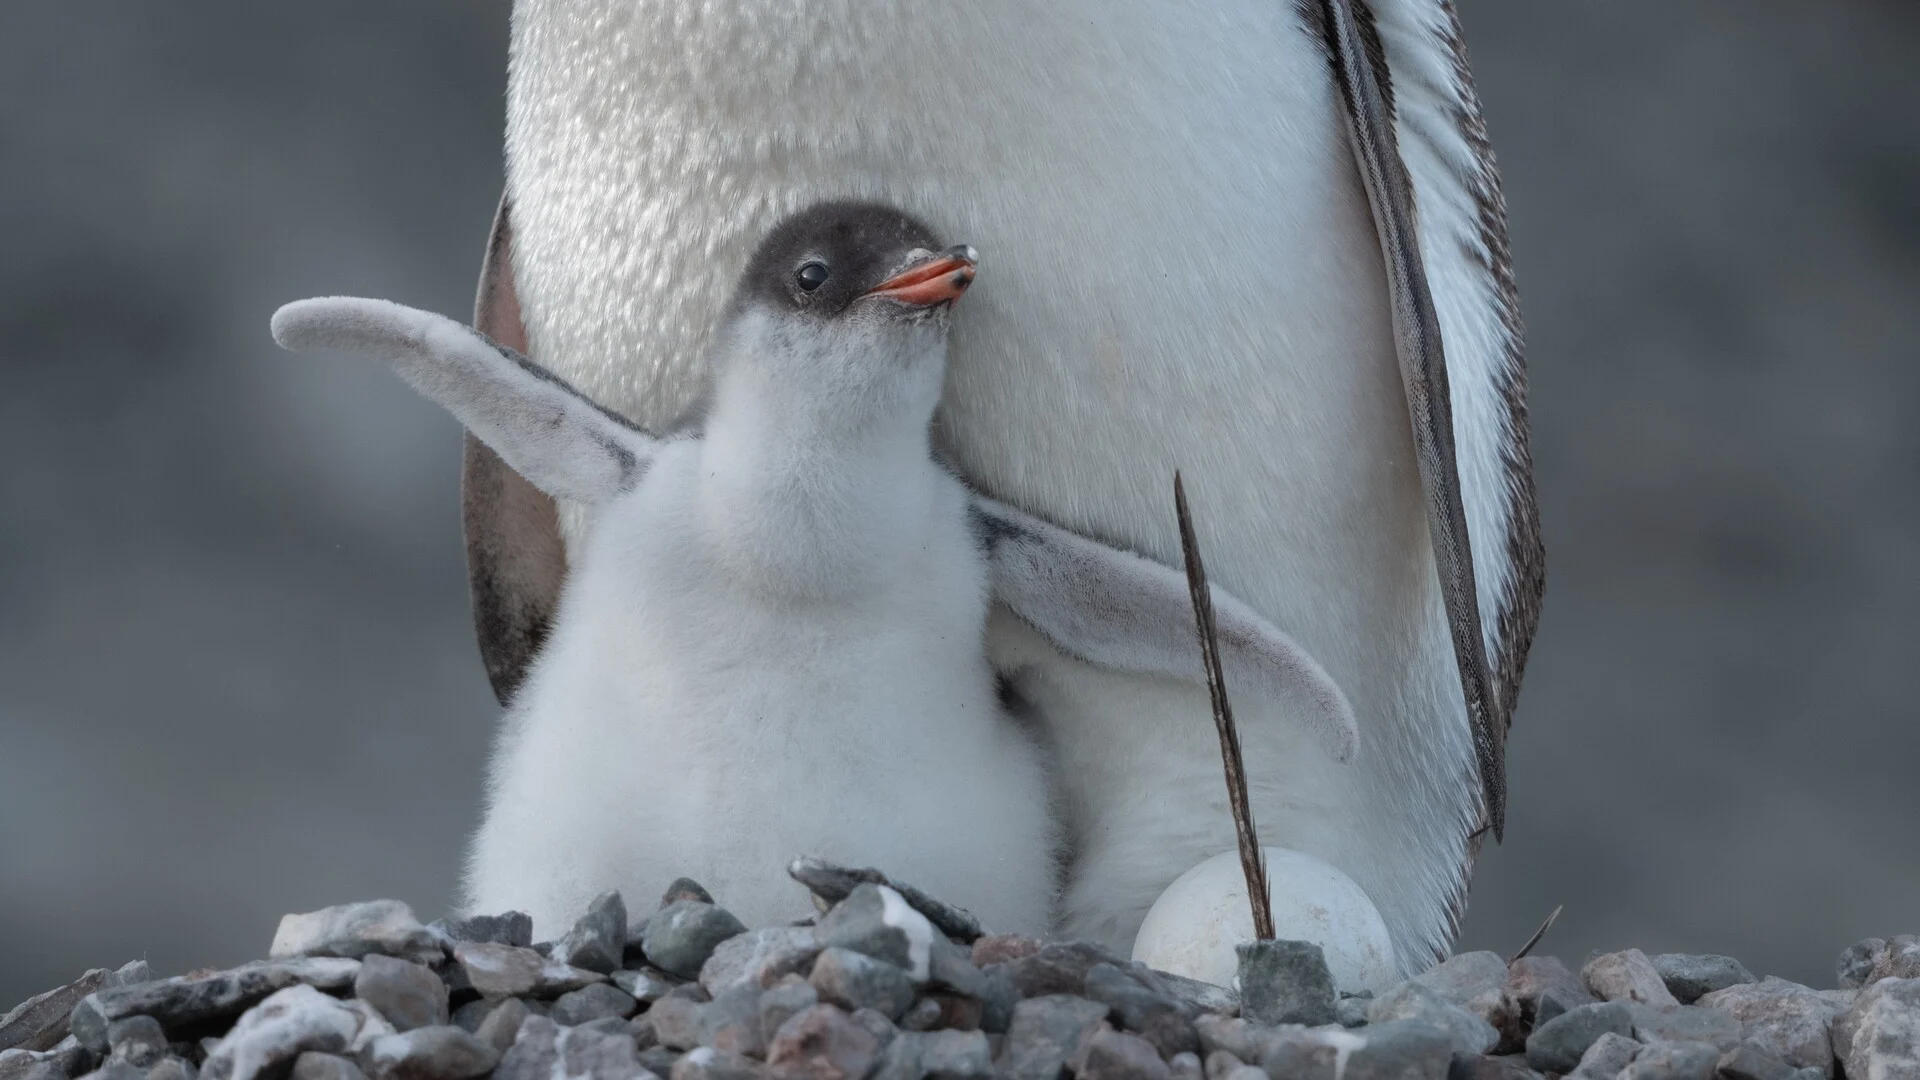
<point x="237" y="676"/>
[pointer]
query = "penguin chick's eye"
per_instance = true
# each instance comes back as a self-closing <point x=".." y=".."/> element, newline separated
<point x="811" y="276"/>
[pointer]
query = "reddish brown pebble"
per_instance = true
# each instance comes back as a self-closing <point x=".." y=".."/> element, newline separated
<point x="1000" y="948"/>
<point x="821" y="1043"/>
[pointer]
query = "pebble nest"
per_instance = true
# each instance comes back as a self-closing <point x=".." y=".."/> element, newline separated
<point x="890" y="984"/>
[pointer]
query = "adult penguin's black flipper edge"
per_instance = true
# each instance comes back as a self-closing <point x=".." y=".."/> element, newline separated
<point x="516" y="560"/>
<point x="1423" y="158"/>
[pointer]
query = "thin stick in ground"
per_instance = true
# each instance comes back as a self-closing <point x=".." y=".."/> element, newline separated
<point x="1537" y="935"/>
<point x="1252" y="861"/>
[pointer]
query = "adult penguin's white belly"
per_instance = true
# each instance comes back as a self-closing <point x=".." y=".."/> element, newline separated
<point x="1184" y="275"/>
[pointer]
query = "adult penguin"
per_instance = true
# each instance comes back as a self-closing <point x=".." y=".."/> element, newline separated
<point x="1261" y="241"/>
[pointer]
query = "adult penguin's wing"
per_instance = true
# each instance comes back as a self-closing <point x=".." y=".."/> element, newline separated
<point x="516" y="559"/>
<point x="1402" y="73"/>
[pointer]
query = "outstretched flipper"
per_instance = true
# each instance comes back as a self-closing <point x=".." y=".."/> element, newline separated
<point x="1123" y="611"/>
<point x="565" y="444"/>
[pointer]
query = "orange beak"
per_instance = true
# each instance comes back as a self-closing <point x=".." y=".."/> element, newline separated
<point x="939" y="280"/>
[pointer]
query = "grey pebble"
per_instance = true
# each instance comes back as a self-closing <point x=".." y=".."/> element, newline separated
<point x="707" y="1063"/>
<point x="279" y="1029"/>
<point x="856" y="981"/>
<point x="497" y="971"/>
<point x="502" y="1026"/>
<point x="174" y="1067"/>
<point x="760" y="957"/>
<point x="532" y="1055"/>
<point x="1476" y="982"/>
<point x="1690" y="976"/>
<point x="1751" y="1061"/>
<point x="951" y="967"/>
<point x="1400" y="1048"/>
<point x="779" y="1002"/>
<point x="440" y="1052"/>
<point x="608" y="1025"/>
<point x="1787" y="1018"/>
<point x="512" y="928"/>
<point x="1351" y="1012"/>
<point x="117" y="1070"/>
<point x="1116" y="1055"/>
<point x="1163" y="1020"/>
<point x="545" y="1051"/>
<point x="1685" y="1023"/>
<point x="1879" y="1036"/>
<point x="40" y="1022"/>
<point x="1285" y="982"/>
<point x="1556" y="1000"/>
<point x="834" y="884"/>
<point x="470" y="1015"/>
<point x="1556" y="1046"/>
<point x="596" y="1055"/>
<point x="45" y="1021"/>
<point x="353" y="931"/>
<point x="956" y="1055"/>
<point x="1543" y="988"/>
<point x="1627" y="975"/>
<point x="676" y="1022"/>
<point x="1316" y="1053"/>
<point x="878" y="1026"/>
<point x="899" y="1058"/>
<point x="1248" y="1042"/>
<point x="1858" y="960"/>
<point x="1201" y="995"/>
<point x="132" y="973"/>
<point x="681" y="936"/>
<point x="1414" y="1001"/>
<point x="139" y="1041"/>
<point x="1056" y="969"/>
<point x="1046" y="1032"/>
<point x="314" y="1065"/>
<point x="875" y="921"/>
<point x="938" y="1055"/>
<point x="599" y="939"/>
<point x="685" y="889"/>
<point x="646" y="985"/>
<point x="925" y="1015"/>
<point x="1186" y="1067"/>
<point x="190" y="1000"/>
<point x="1221" y="1062"/>
<point x="409" y="995"/>
<point x="1674" y="1061"/>
<point x="1605" y="1058"/>
<point x="1898" y="959"/>
<point x="658" y="1059"/>
<point x="590" y="1003"/>
<point x="731" y="1022"/>
<point x="18" y="1064"/>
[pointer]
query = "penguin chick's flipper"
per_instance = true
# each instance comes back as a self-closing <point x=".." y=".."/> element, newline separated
<point x="562" y="442"/>
<point x="1126" y="612"/>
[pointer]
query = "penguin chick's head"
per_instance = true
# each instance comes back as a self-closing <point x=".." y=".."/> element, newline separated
<point x="845" y="295"/>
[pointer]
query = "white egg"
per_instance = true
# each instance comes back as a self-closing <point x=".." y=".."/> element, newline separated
<point x="1194" y="926"/>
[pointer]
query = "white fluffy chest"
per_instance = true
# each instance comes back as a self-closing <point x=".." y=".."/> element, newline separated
<point x="789" y="605"/>
<point x="691" y="716"/>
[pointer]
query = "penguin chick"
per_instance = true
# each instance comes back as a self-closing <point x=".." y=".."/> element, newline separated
<point x="773" y="642"/>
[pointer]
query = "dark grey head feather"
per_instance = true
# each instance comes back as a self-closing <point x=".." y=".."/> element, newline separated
<point x="858" y="244"/>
